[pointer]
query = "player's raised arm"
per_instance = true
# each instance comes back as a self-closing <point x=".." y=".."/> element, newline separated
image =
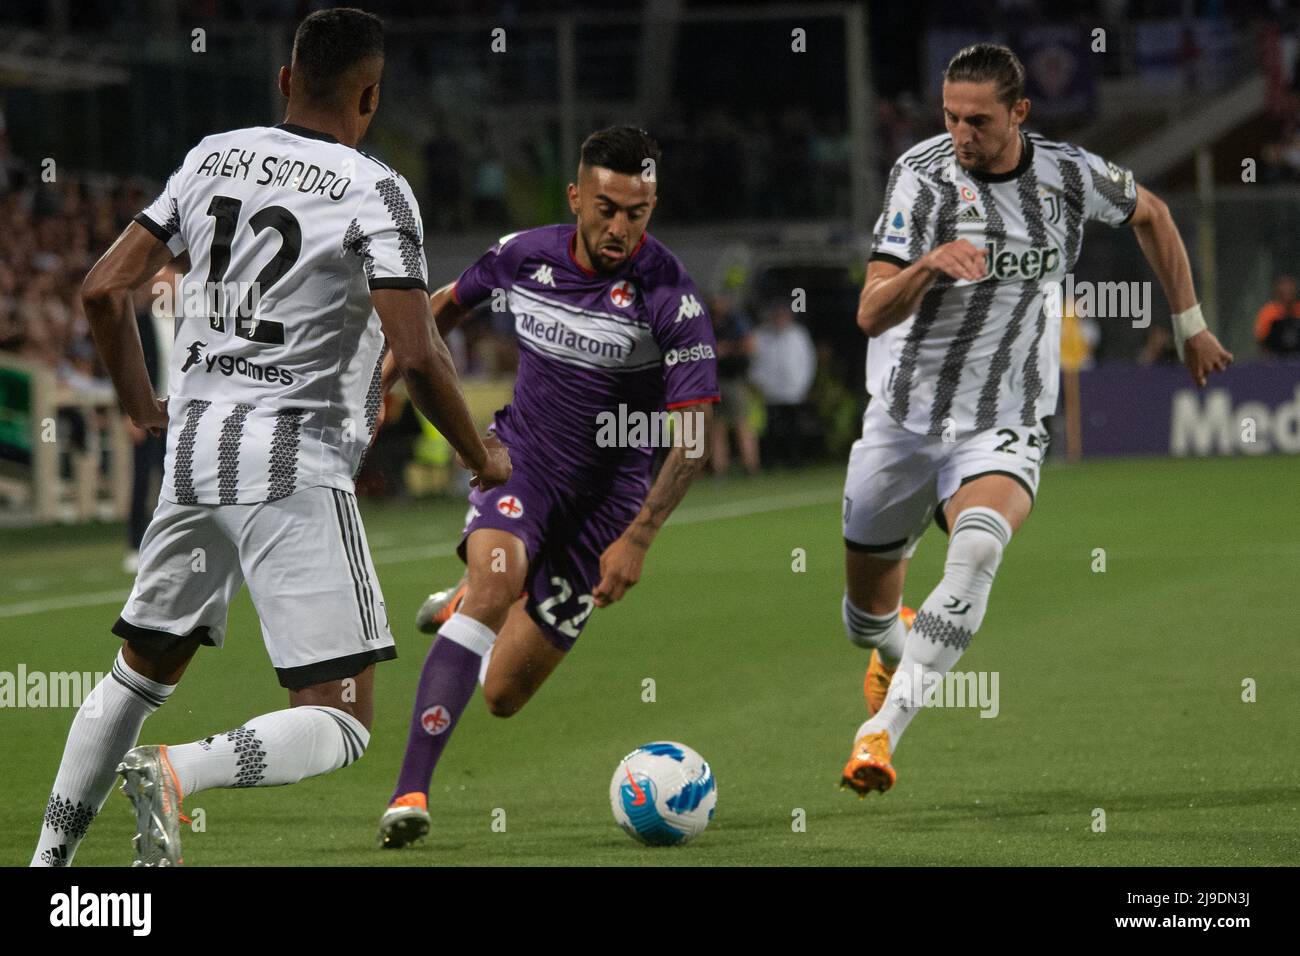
<point x="422" y="359"/>
<point x="905" y="259"/>
<point x="1158" y="237"/>
<point x="892" y="292"/>
<point x="132" y="260"/>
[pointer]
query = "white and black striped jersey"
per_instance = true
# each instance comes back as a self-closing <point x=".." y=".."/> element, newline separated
<point x="985" y="354"/>
<point x="274" y="375"/>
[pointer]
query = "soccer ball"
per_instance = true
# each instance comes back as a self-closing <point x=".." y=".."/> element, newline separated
<point x="663" y="793"/>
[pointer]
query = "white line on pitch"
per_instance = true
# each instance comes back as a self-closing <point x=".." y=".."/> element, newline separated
<point x="64" y="603"/>
<point x="736" y="509"/>
<point x="751" y="506"/>
<point x="438" y="549"/>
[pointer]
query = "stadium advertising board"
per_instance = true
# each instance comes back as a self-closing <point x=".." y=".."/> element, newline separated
<point x="1251" y="409"/>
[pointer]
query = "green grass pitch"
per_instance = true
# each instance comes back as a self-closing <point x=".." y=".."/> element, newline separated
<point x="1119" y="690"/>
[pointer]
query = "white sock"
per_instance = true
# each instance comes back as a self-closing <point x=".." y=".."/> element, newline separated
<point x="470" y="634"/>
<point x="947" y="620"/>
<point x="106" y="726"/>
<point x="271" y="750"/>
<point x="483" y="668"/>
<point x="885" y="633"/>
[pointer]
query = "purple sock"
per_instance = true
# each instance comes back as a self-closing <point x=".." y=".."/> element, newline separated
<point x="446" y="686"/>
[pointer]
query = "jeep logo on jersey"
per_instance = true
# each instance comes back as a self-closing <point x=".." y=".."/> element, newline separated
<point x="621" y="293"/>
<point x="689" y="309"/>
<point x="693" y="354"/>
<point x="1033" y="263"/>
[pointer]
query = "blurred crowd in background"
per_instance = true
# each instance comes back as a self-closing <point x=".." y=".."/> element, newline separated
<point x="755" y="151"/>
<point x="50" y="235"/>
<point x="792" y="165"/>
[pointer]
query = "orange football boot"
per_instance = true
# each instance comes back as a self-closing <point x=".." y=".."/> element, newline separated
<point x="438" y="607"/>
<point x="869" y="767"/>
<point x="405" y="821"/>
<point x="875" y="686"/>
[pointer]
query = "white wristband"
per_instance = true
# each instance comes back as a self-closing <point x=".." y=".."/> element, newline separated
<point x="1187" y="324"/>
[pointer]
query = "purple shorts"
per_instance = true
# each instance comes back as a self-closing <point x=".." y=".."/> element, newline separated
<point x="564" y="532"/>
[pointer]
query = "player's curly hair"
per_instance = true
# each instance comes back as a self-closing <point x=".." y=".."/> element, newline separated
<point x="330" y="42"/>
<point x="624" y="149"/>
<point x="989" y="63"/>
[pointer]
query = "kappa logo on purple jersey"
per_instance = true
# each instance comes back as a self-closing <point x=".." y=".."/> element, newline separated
<point x="690" y="309"/>
<point x="511" y="507"/>
<point x="621" y="293"/>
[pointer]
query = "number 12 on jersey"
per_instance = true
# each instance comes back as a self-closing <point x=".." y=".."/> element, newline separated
<point x="225" y="211"/>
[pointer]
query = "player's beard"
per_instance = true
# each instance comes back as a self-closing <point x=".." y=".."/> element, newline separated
<point x="600" y="264"/>
<point x="983" y="162"/>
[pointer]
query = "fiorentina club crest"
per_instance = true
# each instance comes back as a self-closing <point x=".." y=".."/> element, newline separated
<point x="621" y="293"/>
<point x="510" y="506"/>
<point x="435" y="720"/>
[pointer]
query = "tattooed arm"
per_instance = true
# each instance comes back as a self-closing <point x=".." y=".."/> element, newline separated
<point x="620" y="565"/>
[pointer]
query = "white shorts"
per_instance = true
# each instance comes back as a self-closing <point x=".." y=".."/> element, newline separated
<point x="308" y="569"/>
<point x="898" y="480"/>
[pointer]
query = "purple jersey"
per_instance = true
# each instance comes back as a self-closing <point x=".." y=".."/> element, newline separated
<point x="589" y="342"/>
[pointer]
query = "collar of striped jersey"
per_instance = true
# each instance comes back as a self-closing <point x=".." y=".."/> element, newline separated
<point x="1026" y="158"/>
<point x="304" y="131"/>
